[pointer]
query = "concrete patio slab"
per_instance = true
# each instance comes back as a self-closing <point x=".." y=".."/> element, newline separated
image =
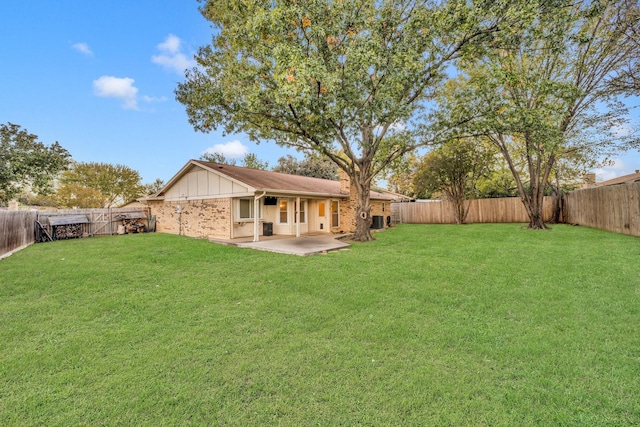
<point x="302" y="246"/>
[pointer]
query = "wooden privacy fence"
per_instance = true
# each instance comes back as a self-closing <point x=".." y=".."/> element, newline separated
<point x="508" y="209"/>
<point x="17" y="230"/>
<point x="614" y="208"/>
<point x="20" y="228"/>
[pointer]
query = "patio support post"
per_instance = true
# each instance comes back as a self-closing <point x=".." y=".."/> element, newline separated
<point x="256" y="213"/>
<point x="297" y="216"/>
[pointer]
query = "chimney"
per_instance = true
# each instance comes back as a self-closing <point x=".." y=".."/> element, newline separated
<point x="589" y="178"/>
<point x="345" y="182"/>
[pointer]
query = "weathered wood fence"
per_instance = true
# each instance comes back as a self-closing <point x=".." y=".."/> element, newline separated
<point x="509" y="209"/>
<point x="19" y="228"/>
<point x="615" y="208"/>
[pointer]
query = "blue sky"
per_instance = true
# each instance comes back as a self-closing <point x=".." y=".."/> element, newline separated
<point x="99" y="76"/>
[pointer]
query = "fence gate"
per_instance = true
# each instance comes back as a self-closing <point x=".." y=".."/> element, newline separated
<point x="100" y="223"/>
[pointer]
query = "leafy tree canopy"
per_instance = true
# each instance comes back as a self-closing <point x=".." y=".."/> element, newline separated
<point x="27" y="164"/>
<point x="154" y="187"/>
<point x="313" y="165"/>
<point x="250" y="160"/>
<point x="343" y="78"/>
<point x="99" y="185"/>
<point x="452" y="170"/>
<point x="539" y="98"/>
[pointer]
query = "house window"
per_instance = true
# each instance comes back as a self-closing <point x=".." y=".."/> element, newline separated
<point x="383" y="206"/>
<point x="302" y="209"/>
<point x="245" y="210"/>
<point x="335" y="214"/>
<point x="284" y="211"/>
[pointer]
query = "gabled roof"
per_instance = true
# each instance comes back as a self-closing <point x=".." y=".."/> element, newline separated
<point x="633" y="177"/>
<point x="271" y="182"/>
<point x="263" y="180"/>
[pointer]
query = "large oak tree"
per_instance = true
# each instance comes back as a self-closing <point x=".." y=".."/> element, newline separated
<point x="546" y="95"/>
<point x="344" y="78"/>
<point x="98" y="185"/>
<point x="26" y="163"/>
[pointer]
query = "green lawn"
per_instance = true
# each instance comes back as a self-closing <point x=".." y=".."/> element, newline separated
<point x="428" y="325"/>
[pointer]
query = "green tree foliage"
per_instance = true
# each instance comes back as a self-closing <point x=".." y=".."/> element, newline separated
<point x="313" y="165"/>
<point x="250" y="160"/>
<point x="98" y="185"/>
<point x="343" y="78"/>
<point x="627" y="80"/>
<point x="154" y="187"/>
<point x="498" y="182"/>
<point x="452" y="170"/>
<point x="26" y="164"/>
<point x="219" y="158"/>
<point x="400" y="174"/>
<point x="536" y="98"/>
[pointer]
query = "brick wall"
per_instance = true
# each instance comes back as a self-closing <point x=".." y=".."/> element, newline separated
<point x="209" y="218"/>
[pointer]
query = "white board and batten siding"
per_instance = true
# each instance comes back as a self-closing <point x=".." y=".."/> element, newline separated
<point x="202" y="184"/>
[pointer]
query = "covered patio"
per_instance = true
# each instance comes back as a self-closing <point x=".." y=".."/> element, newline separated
<point x="307" y="244"/>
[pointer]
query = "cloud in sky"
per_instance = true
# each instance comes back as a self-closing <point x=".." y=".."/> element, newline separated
<point x="117" y="87"/>
<point x="83" y="48"/>
<point x="231" y="149"/>
<point x="171" y="55"/>
<point x="616" y="169"/>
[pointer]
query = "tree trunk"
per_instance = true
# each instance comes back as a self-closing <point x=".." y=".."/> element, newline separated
<point x="363" y="209"/>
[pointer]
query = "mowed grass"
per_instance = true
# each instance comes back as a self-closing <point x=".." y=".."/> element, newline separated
<point x="428" y="325"/>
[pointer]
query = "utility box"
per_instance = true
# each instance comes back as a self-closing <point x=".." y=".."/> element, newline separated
<point x="378" y="222"/>
<point x="267" y="229"/>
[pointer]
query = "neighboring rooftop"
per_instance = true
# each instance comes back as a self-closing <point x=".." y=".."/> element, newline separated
<point x="633" y="177"/>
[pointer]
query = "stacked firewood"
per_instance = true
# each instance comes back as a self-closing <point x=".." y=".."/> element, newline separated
<point x="69" y="231"/>
<point x="133" y="225"/>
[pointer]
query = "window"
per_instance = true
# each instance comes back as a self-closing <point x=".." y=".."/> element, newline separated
<point x="302" y="209"/>
<point x="283" y="211"/>
<point x="335" y="215"/>
<point x="321" y="209"/>
<point x="246" y="209"/>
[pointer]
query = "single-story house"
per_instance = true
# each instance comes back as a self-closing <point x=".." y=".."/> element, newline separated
<point x="225" y="202"/>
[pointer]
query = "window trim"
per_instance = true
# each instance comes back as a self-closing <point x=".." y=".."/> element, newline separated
<point x="337" y="214"/>
<point x="303" y="202"/>
<point x="280" y="211"/>
<point x="251" y="201"/>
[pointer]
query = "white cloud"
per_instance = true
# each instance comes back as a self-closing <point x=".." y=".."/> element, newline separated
<point x="150" y="99"/>
<point x="117" y="87"/>
<point x="231" y="149"/>
<point x="83" y="48"/>
<point x="171" y="56"/>
<point x="615" y="169"/>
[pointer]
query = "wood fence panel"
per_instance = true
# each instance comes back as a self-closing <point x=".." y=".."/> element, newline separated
<point x="17" y="230"/>
<point x="614" y="208"/>
<point x="501" y="210"/>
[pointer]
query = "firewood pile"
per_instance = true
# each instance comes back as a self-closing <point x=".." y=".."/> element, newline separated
<point x="67" y="231"/>
<point x="134" y="225"/>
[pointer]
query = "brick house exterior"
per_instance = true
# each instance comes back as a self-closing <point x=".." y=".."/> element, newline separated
<point x="211" y="200"/>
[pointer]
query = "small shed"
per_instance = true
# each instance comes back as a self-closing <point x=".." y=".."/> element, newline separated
<point x="58" y="227"/>
<point x="132" y="222"/>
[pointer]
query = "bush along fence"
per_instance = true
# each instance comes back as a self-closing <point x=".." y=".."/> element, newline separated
<point x="21" y="228"/>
